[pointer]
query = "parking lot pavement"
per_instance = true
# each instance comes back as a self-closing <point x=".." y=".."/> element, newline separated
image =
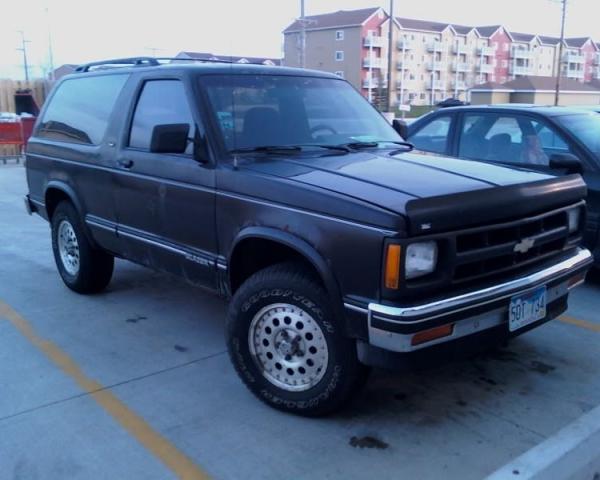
<point x="135" y="383"/>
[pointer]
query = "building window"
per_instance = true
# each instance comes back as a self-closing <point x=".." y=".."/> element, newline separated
<point x="339" y="56"/>
<point x="422" y="96"/>
<point x="339" y="35"/>
<point x="339" y="73"/>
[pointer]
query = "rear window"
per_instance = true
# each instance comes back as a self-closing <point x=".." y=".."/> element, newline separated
<point x="79" y="110"/>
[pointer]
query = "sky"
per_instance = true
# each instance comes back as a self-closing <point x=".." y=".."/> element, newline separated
<point x="87" y="30"/>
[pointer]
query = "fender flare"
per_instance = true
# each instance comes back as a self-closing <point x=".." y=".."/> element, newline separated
<point x="70" y="193"/>
<point x="303" y="248"/>
<point x="67" y="190"/>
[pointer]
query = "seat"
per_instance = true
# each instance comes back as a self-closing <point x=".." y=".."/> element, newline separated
<point x="500" y="148"/>
<point x="262" y="126"/>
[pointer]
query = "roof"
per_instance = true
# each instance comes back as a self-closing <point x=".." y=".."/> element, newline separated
<point x="576" y="42"/>
<point x="210" y="68"/>
<point x="236" y="59"/>
<point x="546" y="40"/>
<point x="538" y="84"/>
<point x="341" y="18"/>
<point x="488" y="31"/>
<point x="426" y="25"/>
<point x="522" y="37"/>
<point x="546" y="110"/>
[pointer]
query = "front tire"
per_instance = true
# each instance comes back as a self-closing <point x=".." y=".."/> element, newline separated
<point x="83" y="268"/>
<point x="288" y="347"/>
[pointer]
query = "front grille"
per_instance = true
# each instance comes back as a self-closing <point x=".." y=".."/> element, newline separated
<point x="497" y="249"/>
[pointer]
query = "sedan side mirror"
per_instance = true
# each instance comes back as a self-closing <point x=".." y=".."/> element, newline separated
<point x="566" y="161"/>
<point x="401" y="128"/>
<point x="171" y="138"/>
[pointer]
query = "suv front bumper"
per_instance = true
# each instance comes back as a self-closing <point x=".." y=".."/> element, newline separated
<point x="393" y="327"/>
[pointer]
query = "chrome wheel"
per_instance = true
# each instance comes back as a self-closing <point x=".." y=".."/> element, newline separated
<point x="288" y="346"/>
<point x="68" y="247"/>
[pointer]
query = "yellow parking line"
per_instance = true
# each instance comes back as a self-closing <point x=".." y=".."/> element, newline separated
<point x="594" y="327"/>
<point x="179" y="463"/>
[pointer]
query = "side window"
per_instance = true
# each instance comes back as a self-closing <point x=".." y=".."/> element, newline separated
<point x="433" y="137"/>
<point x="161" y="102"/>
<point x="80" y="109"/>
<point x="492" y="137"/>
<point x="552" y="141"/>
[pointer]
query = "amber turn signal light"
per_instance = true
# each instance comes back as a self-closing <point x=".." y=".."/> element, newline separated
<point x="392" y="267"/>
<point x="432" y="334"/>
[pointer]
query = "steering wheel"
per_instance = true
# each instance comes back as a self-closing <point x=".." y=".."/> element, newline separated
<point x="322" y="126"/>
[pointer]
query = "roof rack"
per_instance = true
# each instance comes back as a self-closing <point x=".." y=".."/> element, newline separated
<point x="143" y="62"/>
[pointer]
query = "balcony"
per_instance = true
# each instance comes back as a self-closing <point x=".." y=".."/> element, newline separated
<point x="404" y="44"/>
<point x="521" y="53"/>
<point x="435" y="66"/>
<point x="406" y="84"/>
<point x="487" y="68"/>
<point x="400" y="65"/>
<point x="486" y="51"/>
<point x="575" y="73"/>
<point x="461" y="49"/>
<point x="370" y="83"/>
<point x="374" y="62"/>
<point x="459" y="85"/>
<point x="521" y="70"/>
<point x="461" y="67"/>
<point x="375" y="41"/>
<point x="436" y="85"/>
<point x="435" y="47"/>
<point x="570" y="57"/>
<point x="597" y="59"/>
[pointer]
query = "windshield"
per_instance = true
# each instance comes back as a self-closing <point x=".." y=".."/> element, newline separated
<point x="586" y="127"/>
<point x="271" y="110"/>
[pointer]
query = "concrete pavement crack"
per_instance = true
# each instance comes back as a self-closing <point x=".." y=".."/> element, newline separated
<point x="110" y="387"/>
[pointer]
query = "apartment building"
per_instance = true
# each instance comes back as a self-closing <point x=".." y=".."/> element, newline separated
<point x="431" y="61"/>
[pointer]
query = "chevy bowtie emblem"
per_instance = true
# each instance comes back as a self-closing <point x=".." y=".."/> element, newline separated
<point x="524" y="245"/>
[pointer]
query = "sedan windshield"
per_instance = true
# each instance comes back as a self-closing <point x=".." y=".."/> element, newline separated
<point x="586" y="128"/>
<point x="257" y="111"/>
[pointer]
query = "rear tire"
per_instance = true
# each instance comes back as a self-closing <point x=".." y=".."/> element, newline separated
<point x="288" y="347"/>
<point x="83" y="268"/>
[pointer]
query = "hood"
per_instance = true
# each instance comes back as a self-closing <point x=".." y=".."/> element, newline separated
<point x="411" y="183"/>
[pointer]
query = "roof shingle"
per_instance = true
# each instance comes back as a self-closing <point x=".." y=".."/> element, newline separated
<point x="341" y="18"/>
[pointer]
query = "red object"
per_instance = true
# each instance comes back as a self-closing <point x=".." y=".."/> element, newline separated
<point x="16" y="133"/>
<point x="11" y="133"/>
<point x="28" y="123"/>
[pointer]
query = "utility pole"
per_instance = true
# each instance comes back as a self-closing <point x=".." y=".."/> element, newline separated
<point x="50" y="50"/>
<point x="560" y="51"/>
<point x="24" y="50"/>
<point x="302" y="35"/>
<point x="390" y="56"/>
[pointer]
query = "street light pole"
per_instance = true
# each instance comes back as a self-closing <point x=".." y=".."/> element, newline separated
<point x="24" y="50"/>
<point x="390" y="56"/>
<point x="302" y="35"/>
<point x="560" y="52"/>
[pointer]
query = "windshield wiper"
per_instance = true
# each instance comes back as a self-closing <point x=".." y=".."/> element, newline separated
<point x="267" y="149"/>
<point x="361" y="145"/>
<point x="288" y="148"/>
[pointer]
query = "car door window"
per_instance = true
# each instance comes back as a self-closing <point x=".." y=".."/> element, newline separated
<point x="161" y="102"/>
<point x="551" y="141"/>
<point x="433" y="137"/>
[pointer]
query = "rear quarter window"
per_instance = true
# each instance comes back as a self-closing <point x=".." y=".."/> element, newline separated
<point x="80" y="109"/>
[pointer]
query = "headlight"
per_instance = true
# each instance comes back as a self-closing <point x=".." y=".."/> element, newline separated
<point x="421" y="259"/>
<point x="574" y="218"/>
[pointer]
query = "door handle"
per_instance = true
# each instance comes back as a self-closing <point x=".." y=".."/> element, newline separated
<point x="125" y="163"/>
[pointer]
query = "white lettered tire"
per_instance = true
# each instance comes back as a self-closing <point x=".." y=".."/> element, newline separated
<point x="287" y="346"/>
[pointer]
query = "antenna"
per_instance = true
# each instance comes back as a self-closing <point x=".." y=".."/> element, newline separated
<point x="24" y="50"/>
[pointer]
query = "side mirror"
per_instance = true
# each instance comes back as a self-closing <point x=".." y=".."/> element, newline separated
<point x="401" y="128"/>
<point x="171" y="138"/>
<point x="566" y="161"/>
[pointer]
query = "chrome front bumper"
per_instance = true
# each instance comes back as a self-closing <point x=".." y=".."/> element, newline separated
<point x="393" y="327"/>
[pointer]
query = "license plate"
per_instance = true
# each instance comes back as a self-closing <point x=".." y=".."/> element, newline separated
<point x="527" y="308"/>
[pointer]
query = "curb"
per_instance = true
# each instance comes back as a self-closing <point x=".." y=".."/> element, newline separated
<point x="571" y="454"/>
